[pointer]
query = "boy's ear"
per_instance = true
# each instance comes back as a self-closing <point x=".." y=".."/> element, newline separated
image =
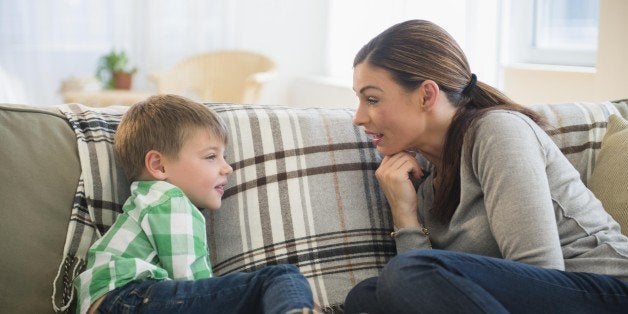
<point x="154" y="163"/>
<point x="430" y="93"/>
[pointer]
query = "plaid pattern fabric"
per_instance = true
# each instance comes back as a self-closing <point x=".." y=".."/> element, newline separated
<point x="160" y="235"/>
<point x="101" y="191"/>
<point x="578" y="129"/>
<point x="303" y="190"/>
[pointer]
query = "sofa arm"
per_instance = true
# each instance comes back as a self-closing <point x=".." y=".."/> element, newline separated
<point x="39" y="175"/>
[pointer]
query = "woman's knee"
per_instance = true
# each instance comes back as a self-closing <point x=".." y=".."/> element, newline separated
<point x="362" y="297"/>
<point x="411" y="262"/>
<point x="404" y="269"/>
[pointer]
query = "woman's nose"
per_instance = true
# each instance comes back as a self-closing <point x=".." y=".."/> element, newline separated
<point x="359" y="118"/>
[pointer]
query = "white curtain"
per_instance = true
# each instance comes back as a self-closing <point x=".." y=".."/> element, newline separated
<point x="47" y="41"/>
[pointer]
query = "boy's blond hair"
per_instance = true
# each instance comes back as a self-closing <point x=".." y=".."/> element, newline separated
<point x="161" y="123"/>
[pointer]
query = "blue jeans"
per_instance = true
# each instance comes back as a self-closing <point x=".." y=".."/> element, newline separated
<point x="436" y="281"/>
<point x="273" y="289"/>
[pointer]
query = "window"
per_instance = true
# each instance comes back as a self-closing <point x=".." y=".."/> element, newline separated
<point x="557" y="32"/>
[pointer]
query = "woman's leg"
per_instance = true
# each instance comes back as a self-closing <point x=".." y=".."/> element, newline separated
<point x="443" y="281"/>
<point x="273" y="289"/>
<point x="363" y="298"/>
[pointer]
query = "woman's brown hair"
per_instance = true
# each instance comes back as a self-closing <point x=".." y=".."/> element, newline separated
<point x="418" y="50"/>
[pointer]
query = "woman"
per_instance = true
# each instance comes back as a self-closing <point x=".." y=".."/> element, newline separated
<point x="501" y="221"/>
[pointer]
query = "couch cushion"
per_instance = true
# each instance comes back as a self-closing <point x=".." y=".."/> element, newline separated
<point x="303" y="191"/>
<point x="39" y="174"/>
<point x="610" y="175"/>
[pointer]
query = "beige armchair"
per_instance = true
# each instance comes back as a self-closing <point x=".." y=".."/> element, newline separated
<point x="233" y="76"/>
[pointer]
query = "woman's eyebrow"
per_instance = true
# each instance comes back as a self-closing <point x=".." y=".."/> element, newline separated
<point x="369" y="87"/>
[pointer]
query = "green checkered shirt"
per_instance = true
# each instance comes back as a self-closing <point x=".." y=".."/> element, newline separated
<point x="159" y="235"/>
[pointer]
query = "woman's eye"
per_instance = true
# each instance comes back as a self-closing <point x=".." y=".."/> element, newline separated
<point x="211" y="157"/>
<point x="371" y="100"/>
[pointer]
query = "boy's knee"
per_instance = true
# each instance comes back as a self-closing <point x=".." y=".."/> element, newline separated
<point x="290" y="268"/>
<point x="283" y="269"/>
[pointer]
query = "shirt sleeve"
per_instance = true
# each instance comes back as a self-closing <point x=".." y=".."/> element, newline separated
<point x="178" y="234"/>
<point x="509" y="161"/>
<point x="413" y="239"/>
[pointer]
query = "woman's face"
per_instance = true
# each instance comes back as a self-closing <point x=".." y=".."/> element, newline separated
<point x="391" y="116"/>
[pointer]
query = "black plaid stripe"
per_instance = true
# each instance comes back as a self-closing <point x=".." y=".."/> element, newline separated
<point x="329" y="249"/>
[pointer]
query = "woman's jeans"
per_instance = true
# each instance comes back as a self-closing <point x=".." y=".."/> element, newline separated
<point x="436" y="281"/>
<point x="273" y="289"/>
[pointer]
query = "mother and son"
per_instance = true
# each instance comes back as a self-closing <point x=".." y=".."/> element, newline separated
<point x="523" y="205"/>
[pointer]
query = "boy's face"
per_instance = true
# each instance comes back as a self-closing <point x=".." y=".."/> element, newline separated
<point x="200" y="169"/>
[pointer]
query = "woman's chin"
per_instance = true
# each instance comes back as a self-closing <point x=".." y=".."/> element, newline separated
<point x="386" y="151"/>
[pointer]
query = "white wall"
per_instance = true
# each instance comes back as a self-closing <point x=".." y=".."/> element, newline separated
<point x="291" y="32"/>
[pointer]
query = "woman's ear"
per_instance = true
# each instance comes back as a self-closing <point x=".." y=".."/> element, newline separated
<point x="154" y="163"/>
<point x="430" y="94"/>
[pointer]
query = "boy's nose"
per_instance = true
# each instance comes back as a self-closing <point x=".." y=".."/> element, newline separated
<point x="227" y="169"/>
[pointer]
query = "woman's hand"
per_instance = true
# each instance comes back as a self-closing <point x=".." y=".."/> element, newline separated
<point x="394" y="176"/>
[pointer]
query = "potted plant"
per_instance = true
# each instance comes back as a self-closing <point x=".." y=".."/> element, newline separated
<point x="114" y="70"/>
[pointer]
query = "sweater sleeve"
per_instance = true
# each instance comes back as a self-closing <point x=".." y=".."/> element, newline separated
<point x="509" y="161"/>
<point x="412" y="239"/>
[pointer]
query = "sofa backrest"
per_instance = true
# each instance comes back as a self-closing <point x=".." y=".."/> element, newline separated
<point x="303" y="191"/>
<point x="578" y="129"/>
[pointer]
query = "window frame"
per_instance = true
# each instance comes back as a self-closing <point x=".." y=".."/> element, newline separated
<point x="521" y="46"/>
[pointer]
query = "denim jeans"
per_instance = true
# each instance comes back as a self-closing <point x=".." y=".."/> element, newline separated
<point x="436" y="281"/>
<point x="273" y="289"/>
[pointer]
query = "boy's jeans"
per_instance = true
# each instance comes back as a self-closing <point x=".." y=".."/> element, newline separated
<point x="436" y="281"/>
<point x="273" y="289"/>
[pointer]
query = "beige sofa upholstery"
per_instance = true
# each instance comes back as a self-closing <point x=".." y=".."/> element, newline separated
<point x="40" y="168"/>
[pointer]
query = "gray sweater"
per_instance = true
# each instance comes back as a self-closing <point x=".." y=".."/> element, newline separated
<point x="522" y="200"/>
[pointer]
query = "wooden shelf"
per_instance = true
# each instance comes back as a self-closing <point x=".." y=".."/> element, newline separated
<point x="106" y="98"/>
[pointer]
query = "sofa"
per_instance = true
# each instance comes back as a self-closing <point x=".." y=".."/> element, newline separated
<point x="303" y="191"/>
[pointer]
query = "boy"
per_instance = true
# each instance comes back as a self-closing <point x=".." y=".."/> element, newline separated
<point x="154" y="258"/>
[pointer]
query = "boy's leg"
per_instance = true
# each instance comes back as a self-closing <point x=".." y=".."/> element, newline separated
<point x="284" y="289"/>
<point x="273" y="289"/>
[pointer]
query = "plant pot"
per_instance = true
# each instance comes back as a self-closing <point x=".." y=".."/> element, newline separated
<point x="122" y="80"/>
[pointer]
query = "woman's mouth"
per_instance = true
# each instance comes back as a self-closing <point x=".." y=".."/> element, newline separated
<point x="375" y="137"/>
